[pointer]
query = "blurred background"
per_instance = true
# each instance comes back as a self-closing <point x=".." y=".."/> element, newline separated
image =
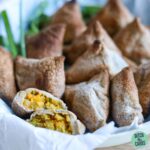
<point x="139" y="8"/>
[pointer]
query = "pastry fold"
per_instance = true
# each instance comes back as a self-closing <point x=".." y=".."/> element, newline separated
<point x="114" y="16"/>
<point x="142" y="78"/>
<point x="7" y="79"/>
<point x="49" y="42"/>
<point x="30" y="100"/>
<point x="91" y="62"/>
<point x="70" y="15"/>
<point x="59" y="120"/>
<point x="82" y="43"/>
<point x="46" y="74"/>
<point x="134" y="41"/>
<point x="90" y="101"/>
<point x="125" y="99"/>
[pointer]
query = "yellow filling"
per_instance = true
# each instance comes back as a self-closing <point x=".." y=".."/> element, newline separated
<point x="58" y="122"/>
<point x="35" y="100"/>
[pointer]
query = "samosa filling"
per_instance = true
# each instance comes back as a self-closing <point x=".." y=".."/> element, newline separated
<point x="35" y="100"/>
<point x="58" y="122"/>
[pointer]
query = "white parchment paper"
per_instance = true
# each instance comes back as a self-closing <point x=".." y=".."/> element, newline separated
<point x="17" y="134"/>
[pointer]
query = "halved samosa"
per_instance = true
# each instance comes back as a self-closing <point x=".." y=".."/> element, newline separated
<point x="113" y="16"/>
<point x="82" y="43"/>
<point x="49" y="42"/>
<point x="91" y="62"/>
<point x="59" y="120"/>
<point x="89" y="100"/>
<point x="134" y="41"/>
<point x="70" y="15"/>
<point x="142" y="78"/>
<point x="7" y="80"/>
<point x="46" y="74"/>
<point x="125" y="99"/>
<point x="32" y="99"/>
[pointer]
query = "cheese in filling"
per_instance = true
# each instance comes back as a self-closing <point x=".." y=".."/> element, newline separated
<point x="58" y="122"/>
<point x="35" y="100"/>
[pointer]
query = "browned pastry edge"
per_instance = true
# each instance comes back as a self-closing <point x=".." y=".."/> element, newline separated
<point x="70" y="15"/>
<point x="47" y="74"/>
<point x="113" y="16"/>
<point x="48" y="42"/>
<point x="125" y="99"/>
<point x="7" y="79"/>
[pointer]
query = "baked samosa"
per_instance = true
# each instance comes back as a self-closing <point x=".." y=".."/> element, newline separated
<point x="46" y="74"/>
<point x="134" y="41"/>
<point x="142" y="78"/>
<point x="91" y="62"/>
<point x="82" y="43"/>
<point x="48" y="42"/>
<point x="60" y="120"/>
<point x="30" y="100"/>
<point x="7" y="79"/>
<point x="113" y="16"/>
<point x="125" y="99"/>
<point x="70" y="15"/>
<point x="89" y="100"/>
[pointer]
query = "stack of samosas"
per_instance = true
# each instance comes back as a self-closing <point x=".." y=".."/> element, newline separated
<point x="78" y="77"/>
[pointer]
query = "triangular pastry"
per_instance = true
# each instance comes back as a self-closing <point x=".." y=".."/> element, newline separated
<point x="71" y="16"/>
<point x="134" y="41"/>
<point x="91" y="62"/>
<point x="113" y="16"/>
<point x="7" y="79"/>
<point x="142" y="78"/>
<point x="125" y="99"/>
<point x="49" y="42"/>
<point x="90" y="101"/>
<point x="46" y="74"/>
<point x="82" y="43"/>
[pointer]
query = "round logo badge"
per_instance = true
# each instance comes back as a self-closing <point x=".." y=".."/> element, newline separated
<point x="139" y="139"/>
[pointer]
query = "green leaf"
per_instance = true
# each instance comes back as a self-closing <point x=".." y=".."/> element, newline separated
<point x="38" y="19"/>
<point x="4" y="42"/>
<point x="22" y="40"/>
<point x="39" y="10"/>
<point x="89" y="11"/>
<point x="1" y="41"/>
<point x="12" y="45"/>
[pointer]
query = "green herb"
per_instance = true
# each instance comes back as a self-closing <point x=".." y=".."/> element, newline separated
<point x="38" y="20"/>
<point x="4" y="42"/>
<point x="89" y="11"/>
<point x="1" y="40"/>
<point x="22" y="40"/>
<point x="10" y="38"/>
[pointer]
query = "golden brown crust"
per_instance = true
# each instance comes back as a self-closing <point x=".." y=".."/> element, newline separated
<point x="70" y="15"/>
<point x="134" y="42"/>
<point x="49" y="42"/>
<point x="144" y="95"/>
<point x="7" y="80"/>
<point x="89" y="100"/>
<point x="142" y="78"/>
<point x="125" y="100"/>
<point x="46" y="74"/>
<point x="142" y="73"/>
<point x="54" y="76"/>
<point x="82" y="43"/>
<point x="91" y="62"/>
<point x="113" y="16"/>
